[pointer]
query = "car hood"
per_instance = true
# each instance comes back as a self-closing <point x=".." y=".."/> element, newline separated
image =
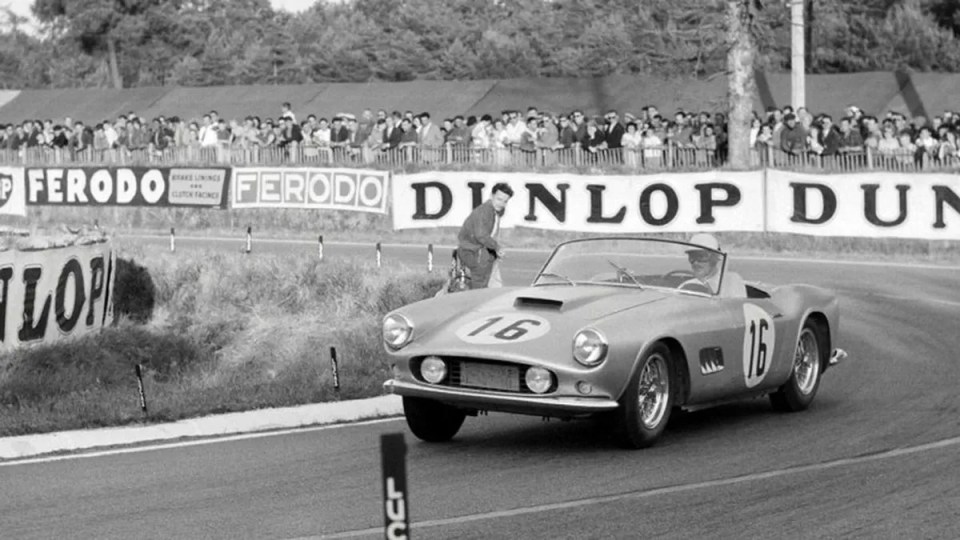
<point x="583" y="302"/>
<point x="565" y="309"/>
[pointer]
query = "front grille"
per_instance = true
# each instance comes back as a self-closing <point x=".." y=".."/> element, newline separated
<point x="457" y="364"/>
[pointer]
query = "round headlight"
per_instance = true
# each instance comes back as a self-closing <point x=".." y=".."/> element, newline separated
<point x="433" y="369"/>
<point x="397" y="331"/>
<point x="589" y="347"/>
<point x="538" y="380"/>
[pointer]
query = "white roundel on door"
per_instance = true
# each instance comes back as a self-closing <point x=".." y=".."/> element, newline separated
<point x="503" y="329"/>
<point x="759" y="338"/>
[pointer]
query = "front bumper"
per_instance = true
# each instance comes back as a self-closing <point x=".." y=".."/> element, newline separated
<point x="496" y="401"/>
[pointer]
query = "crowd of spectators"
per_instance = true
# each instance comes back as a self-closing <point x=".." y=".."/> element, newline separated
<point x="629" y="138"/>
<point x="917" y="140"/>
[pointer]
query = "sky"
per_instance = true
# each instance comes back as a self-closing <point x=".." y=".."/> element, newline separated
<point x="22" y="7"/>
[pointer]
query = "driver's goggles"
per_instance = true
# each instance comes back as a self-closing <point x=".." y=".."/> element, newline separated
<point x="700" y="257"/>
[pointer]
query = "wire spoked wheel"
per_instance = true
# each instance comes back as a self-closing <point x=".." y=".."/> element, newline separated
<point x="647" y="401"/>
<point x="806" y="363"/>
<point x="798" y="392"/>
<point x="653" y="391"/>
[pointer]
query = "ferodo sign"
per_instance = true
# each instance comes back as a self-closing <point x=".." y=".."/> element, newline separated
<point x="310" y="188"/>
<point x="127" y="186"/>
<point x="52" y="294"/>
<point x="12" y="201"/>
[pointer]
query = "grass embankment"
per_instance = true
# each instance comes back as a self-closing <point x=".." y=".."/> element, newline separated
<point x="228" y="333"/>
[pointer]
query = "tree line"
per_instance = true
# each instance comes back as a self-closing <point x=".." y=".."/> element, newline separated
<point x="130" y="43"/>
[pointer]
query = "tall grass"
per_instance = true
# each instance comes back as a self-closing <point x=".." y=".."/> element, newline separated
<point x="228" y="332"/>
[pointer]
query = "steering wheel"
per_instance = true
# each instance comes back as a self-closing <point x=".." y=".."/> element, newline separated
<point x="679" y="273"/>
<point x="695" y="285"/>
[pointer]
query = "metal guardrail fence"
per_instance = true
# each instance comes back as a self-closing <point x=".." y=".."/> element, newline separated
<point x="665" y="158"/>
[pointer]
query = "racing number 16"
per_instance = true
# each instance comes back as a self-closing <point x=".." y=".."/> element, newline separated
<point x="510" y="332"/>
<point x="758" y="349"/>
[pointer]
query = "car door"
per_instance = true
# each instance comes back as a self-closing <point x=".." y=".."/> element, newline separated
<point x="759" y="331"/>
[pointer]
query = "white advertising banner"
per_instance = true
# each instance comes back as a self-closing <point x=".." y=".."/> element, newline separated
<point x="707" y="201"/>
<point x="53" y="294"/>
<point x="13" y="202"/>
<point x="310" y="188"/>
<point x="889" y="205"/>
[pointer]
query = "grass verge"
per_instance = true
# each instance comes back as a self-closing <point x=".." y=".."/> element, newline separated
<point x="228" y="333"/>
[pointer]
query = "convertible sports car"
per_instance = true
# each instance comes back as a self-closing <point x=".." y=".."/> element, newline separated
<point x="616" y="328"/>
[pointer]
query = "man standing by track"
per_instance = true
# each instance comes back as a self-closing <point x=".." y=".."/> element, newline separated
<point x="477" y="244"/>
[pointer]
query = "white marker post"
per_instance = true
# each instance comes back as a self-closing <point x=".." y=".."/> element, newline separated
<point x="429" y="257"/>
<point x="396" y="507"/>
<point x="173" y="240"/>
<point x="379" y="255"/>
<point x="320" y="248"/>
<point x="249" y="246"/>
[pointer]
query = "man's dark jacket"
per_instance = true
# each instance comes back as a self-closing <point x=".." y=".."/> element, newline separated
<point x="477" y="229"/>
<point x="613" y="135"/>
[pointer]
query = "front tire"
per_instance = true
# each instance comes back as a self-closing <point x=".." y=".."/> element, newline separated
<point x="647" y="401"/>
<point x="431" y="420"/>
<point x="798" y="392"/>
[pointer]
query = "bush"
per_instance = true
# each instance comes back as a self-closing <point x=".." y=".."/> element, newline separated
<point x="134" y="294"/>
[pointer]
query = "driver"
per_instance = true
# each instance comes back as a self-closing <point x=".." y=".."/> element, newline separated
<point x="704" y="264"/>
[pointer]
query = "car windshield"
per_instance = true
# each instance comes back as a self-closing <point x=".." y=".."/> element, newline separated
<point x="635" y="262"/>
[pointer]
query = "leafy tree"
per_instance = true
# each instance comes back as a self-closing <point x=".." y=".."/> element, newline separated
<point x="207" y="42"/>
<point x="96" y="25"/>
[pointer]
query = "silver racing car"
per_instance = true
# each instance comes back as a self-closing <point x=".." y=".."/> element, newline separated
<point x="624" y="329"/>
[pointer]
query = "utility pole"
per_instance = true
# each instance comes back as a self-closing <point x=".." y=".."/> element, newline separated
<point x="798" y="82"/>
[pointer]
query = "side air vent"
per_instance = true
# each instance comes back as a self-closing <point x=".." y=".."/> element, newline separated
<point x="711" y="360"/>
<point x="546" y="303"/>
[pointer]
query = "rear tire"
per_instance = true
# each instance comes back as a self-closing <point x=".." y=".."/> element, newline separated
<point x="647" y="402"/>
<point x="431" y="420"/>
<point x="798" y="392"/>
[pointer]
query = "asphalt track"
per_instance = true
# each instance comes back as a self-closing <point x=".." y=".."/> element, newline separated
<point x="876" y="456"/>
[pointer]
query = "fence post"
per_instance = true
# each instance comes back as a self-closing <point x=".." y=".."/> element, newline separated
<point x="379" y="255"/>
<point x="249" y="247"/>
<point x="429" y="257"/>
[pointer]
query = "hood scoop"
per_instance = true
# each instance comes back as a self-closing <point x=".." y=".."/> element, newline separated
<point x="534" y="302"/>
